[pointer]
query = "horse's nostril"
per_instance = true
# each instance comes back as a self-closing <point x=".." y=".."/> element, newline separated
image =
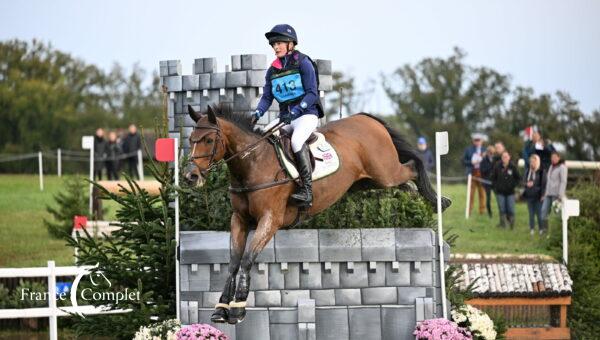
<point x="191" y="177"/>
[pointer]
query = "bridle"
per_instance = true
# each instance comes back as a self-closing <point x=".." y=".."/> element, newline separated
<point x="219" y="139"/>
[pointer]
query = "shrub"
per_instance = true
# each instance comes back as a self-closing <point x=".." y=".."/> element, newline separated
<point x="73" y="200"/>
<point x="209" y="208"/>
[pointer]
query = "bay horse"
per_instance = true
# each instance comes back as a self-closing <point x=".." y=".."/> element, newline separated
<point x="371" y="155"/>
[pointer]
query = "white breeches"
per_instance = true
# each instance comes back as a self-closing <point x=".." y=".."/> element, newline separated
<point x="300" y="127"/>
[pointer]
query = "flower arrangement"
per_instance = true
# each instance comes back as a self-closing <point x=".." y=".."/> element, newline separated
<point x="434" y="329"/>
<point x="159" y="331"/>
<point x="477" y="321"/>
<point x="200" y="332"/>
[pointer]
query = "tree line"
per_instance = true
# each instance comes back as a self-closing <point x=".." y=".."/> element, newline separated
<point x="49" y="99"/>
<point x="438" y="94"/>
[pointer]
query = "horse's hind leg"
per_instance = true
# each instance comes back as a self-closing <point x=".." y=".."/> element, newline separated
<point x="264" y="232"/>
<point x="239" y="233"/>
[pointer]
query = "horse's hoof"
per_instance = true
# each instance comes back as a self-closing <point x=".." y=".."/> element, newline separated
<point x="237" y="312"/>
<point x="221" y="314"/>
<point x="446" y="202"/>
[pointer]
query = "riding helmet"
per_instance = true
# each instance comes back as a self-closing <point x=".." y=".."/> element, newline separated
<point x="282" y="32"/>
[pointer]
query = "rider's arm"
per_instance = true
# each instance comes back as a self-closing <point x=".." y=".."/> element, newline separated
<point x="309" y="82"/>
<point x="267" y="97"/>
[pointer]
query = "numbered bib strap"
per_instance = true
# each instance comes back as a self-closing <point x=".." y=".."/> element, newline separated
<point x="287" y="87"/>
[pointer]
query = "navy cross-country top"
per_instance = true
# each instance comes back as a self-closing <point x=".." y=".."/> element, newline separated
<point x="285" y="70"/>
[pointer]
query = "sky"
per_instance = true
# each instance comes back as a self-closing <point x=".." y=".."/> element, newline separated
<point x="548" y="45"/>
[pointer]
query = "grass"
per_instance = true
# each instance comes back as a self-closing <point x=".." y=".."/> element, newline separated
<point x="479" y="233"/>
<point x="24" y="240"/>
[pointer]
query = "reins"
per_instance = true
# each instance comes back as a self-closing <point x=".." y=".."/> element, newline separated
<point x="242" y="154"/>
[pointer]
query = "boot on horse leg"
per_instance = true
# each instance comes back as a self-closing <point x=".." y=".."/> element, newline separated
<point x="303" y="196"/>
<point x="237" y="307"/>
<point x="221" y="313"/>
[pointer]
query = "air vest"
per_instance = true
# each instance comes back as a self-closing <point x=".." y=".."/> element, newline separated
<point x="287" y="86"/>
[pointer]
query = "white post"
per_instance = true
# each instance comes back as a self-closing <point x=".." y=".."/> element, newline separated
<point x="569" y="208"/>
<point x="87" y="142"/>
<point x="467" y="210"/>
<point x="40" y="166"/>
<point x="441" y="148"/>
<point x="140" y="165"/>
<point x="176" y="175"/>
<point x="59" y="162"/>
<point x="53" y="329"/>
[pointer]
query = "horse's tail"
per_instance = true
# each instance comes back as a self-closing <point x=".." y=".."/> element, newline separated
<point x="406" y="152"/>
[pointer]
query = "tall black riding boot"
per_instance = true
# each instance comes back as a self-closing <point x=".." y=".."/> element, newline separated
<point x="303" y="196"/>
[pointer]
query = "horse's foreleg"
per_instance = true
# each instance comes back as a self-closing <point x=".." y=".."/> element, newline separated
<point x="239" y="233"/>
<point x="264" y="232"/>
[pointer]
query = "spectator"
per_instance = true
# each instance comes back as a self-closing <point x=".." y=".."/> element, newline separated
<point x="533" y="182"/>
<point x="505" y="178"/>
<point x="487" y="166"/>
<point x="425" y="154"/>
<point x="113" y="154"/>
<point x="539" y="147"/>
<point x="472" y="159"/>
<point x="556" y="185"/>
<point x="499" y="147"/>
<point x="99" y="153"/>
<point x="131" y="144"/>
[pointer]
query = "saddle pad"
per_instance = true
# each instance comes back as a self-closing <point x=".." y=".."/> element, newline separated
<point x="326" y="159"/>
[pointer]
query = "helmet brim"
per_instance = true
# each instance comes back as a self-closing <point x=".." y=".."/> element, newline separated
<point x="277" y="37"/>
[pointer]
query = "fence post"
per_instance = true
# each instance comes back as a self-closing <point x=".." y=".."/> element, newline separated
<point x="59" y="162"/>
<point x="140" y="165"/>
<point x="40" y="166"/>
<point x="467" y="208"/>
<point x="53" y="328"/>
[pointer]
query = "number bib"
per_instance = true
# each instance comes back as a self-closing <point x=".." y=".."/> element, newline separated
<point x="287" y="87"/>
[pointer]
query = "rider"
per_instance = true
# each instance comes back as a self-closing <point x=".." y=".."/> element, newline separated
<point x="292" y="81"/>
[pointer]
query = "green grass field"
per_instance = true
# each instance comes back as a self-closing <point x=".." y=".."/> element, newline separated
<point x="24" y="241"/>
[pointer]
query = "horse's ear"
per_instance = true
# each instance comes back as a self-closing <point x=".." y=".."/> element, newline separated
<point x="195" y="115"/>
<point x="212" y="118"/>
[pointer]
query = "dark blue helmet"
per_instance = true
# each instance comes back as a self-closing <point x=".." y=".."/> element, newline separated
<point x="282" y="32"/>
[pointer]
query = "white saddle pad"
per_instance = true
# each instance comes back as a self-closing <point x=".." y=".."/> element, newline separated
<point x="326" y="159"/>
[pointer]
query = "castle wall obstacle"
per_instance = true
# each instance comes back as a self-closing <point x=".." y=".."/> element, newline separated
<point x="240" y="86"/>
<point x="320" y="284"/>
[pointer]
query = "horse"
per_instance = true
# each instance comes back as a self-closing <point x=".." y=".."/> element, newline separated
<point x="372" y="155"/>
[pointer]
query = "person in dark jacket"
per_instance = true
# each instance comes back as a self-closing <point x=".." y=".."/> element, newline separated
<point x="505" y="178"/>
<point x="425" y="154"/>
<point x="113" y="155"/>
<point x="131" y="144"/>
<point x="99" y="153"/>
<point x="486" y="167"/>
<point x="292" y="81"/>
<point x="539" y="147"/>
<point x="534" y="183"/>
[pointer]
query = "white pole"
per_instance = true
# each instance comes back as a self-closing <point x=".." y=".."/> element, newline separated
<point x="59" y="162"/>
<point x="53" y="329"/>
<point x="441" y="147"/>
<point x="91" y="201"/>
<point x="565" y="228"/>
<point x="40" y="166"/>
<point x="467" y="210"/>
<point x="176" y="175"/>
<point x="140" y="165"/>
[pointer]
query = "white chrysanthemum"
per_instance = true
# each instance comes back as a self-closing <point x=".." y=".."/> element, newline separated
<point x="150" y="332"/>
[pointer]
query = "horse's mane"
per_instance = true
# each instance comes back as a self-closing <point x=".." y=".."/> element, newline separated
<point x="243" y="120"/>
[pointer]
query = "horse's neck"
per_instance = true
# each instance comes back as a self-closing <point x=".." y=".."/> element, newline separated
<point x="247" y="167"/>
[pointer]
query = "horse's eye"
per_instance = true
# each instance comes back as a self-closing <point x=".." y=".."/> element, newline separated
<point x="209" y="140"/>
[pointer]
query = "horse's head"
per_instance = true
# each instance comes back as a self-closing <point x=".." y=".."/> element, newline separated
<point x="207" y="142"/>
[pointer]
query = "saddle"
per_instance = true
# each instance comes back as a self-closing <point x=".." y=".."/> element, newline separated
<point x="286" y="145"/>
<point x="323" y="157"/>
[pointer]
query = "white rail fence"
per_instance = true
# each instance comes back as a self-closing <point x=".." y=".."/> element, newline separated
<point x="52" y="311"/>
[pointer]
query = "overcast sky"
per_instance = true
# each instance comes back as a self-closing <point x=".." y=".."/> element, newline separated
<point x="546" y="44"/>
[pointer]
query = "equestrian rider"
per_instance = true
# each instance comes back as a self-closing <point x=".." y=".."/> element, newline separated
<point x="292" y="81"/>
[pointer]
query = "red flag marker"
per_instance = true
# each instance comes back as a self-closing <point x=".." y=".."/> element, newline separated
<point x="79" y="222"/>
<point x="164" y="149"/>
